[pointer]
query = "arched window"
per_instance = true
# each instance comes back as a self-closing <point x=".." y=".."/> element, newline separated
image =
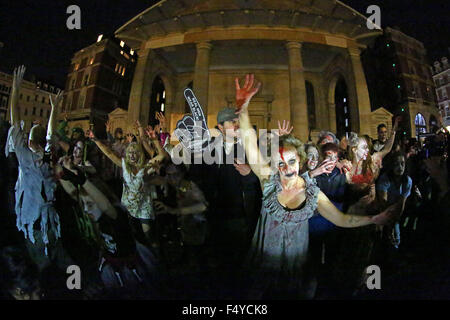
<point x="421" y="125"/>
<point x="186" y="105"/>
<point x="311" y="104"/>
<point x="157" y="100"/>
<point x="343" y="123"/>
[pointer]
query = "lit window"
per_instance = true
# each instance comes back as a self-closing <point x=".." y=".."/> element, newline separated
<point x="76" y="66"/>
<point x="345" y="99"/>
<point x="132" y="52"/>
<point x="123" y="71"/>
<point x="91" y="61"/>
<point x="162" y="107"/>
<point x="121" y="52"/>
<point x="117" y="67"/>
<point x="122" y="44"/>
<point x="164" y="94"/>
<point x="421" y="126"/>
<point x="100" y="37"/>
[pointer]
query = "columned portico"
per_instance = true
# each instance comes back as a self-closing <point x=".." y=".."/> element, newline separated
<point x="211" y="42"/>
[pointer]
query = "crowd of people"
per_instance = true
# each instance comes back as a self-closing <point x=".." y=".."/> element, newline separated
<point x="302" y="222"/>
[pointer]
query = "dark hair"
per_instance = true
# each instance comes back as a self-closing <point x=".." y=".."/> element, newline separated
<point x="390" y="167"/>
<point x="329" y="147"/>
<point x="18" y="271"/>
<point x="382" y="125"/>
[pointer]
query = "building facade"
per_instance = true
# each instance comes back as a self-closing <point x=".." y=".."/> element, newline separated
<point x="400" y="80"/>
<point x="441" y="77"/>
<point x="98" y="81"/>
<point x="34" y="100"/>
<point x="305" y="53"/>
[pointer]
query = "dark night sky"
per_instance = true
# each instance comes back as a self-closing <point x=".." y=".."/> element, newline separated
<point x="34" y="32"/>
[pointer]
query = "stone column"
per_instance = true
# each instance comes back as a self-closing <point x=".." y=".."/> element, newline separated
<point x="201" y="74"/>
<point x="297" y="90"/>
<point x="362" y="103"/>
<point x="139" y="103"/>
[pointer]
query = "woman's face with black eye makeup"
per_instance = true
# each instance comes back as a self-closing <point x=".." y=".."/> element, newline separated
<point x="312" y="156"/>
<point x="288" y="163"/>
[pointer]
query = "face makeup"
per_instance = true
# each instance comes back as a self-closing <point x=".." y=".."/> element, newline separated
<point x="287" y="163"/>
<point x="327" y="139"/>
<point x="313" y="158"/>
<point x="362" y="150"/>
<point x="333" y="157"/>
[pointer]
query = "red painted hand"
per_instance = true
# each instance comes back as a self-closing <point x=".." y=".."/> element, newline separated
<point x="244" y="94"/>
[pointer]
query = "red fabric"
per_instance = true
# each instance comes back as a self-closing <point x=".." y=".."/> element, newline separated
<point x="363" y="178"/>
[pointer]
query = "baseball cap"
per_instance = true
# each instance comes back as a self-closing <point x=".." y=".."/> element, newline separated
<point x="226" y="114"/>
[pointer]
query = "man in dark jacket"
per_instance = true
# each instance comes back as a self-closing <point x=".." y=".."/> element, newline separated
<point x="233" y="192"/>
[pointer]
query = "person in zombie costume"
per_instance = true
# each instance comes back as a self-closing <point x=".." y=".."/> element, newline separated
<point x="362" y="169"/>
<point x="36" y="184"/>
<point x="279" y="252"/>
<point x="136" y="196"/>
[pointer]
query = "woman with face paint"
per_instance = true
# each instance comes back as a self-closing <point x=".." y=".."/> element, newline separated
<point x="280" y="243"/>
<point x="136" y="194"/>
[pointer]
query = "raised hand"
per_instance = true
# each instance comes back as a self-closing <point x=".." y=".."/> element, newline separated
<point x="284" y="129"/>
<point x="57" y="100"/>
<point x="151" y="133"/>
<point x="324" y="167"/>
<point x="344" y="166"/>
<point x="396" y="122"/>
<point x="244" y="94"/>
<point x="162" y="120"/>
<point x="18" y="77"/>
<point x="108" y="126"/>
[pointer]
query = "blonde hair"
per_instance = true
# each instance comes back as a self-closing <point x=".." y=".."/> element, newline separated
<point x="290" y="140"/>
<point x="141" y="161"/>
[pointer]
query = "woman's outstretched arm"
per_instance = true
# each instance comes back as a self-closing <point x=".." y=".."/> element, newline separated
<point x="328" y="210"/>
<point x="106" y="150"/>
